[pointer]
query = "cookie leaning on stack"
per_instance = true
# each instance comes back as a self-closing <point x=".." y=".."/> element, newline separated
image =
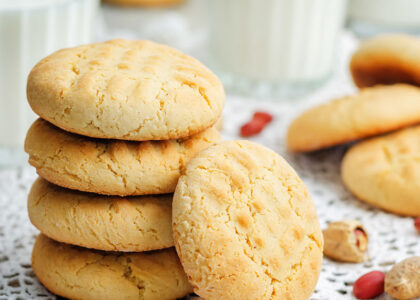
<point x="119" y="118"/>
<point x="245" y="226"/>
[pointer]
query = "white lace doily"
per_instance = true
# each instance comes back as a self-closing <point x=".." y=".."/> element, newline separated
<point x="392" y="238"/>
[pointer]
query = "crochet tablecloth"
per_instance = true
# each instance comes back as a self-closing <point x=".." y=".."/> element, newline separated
<point x="391" y="238"/>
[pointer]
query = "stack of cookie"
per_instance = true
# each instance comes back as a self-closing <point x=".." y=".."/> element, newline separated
<point x="119" y="121"/>
<point x="385" y="170"/>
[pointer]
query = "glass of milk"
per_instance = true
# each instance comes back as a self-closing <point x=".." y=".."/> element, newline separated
<point x="278" y="48"/>
<point x="368" y="18"/>
<point x="29" y="31"/>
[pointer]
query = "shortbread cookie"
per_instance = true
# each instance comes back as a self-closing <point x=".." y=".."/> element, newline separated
<point x="387" y="59"/>
<point x="385" y="171"/>
<point x="219" y="124"/>
<point x="101" y="222"/>
<point x="245" y="226"/>
<point x="79" y="273"/>
<point x="144" y="2"/>
<point x="111" y="167"/>
<point x="129" y="90"/>
<point x="372" y="111"/>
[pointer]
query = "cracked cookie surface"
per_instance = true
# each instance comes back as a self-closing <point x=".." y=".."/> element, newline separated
<point x="111" y="167"/>
<point x="372" y="111"/>
<point x="385" y="171"/>
<point x="79" y="273"/>
<point x="101" y="222"/>
<point x="129" y="90"/>
<point x="245" y="226"/>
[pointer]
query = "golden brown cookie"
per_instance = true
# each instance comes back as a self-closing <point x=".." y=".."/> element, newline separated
<point x="245" y="226"/>
<point x="79" y="273"/>
<point x="144" y="2"/>
<point x="387" y="59"/>
<point x="128" y="90"/>
<point x="371" y="112"/>
<point x="101" y="222"/>
<point x="385" y="171"/>
<point x="111" y="167"/>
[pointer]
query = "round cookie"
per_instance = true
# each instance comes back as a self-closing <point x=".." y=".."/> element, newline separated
<point x="101" y="222"/>
<point x="372" y="111"/>
<point x="111" y="167"/>
<point x="385" y="171"/>
<point x="144" y="2"/>
<point x="129" y="90"/>
<point x="245" y="226"/>
<point x="79" y="273"/>
<point x="387" y="59"/>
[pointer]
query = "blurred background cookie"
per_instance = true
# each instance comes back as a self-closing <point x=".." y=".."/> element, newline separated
<point x="385" y="171"/>
<point x="371" y="111"/>
<point x="387" y="59"/>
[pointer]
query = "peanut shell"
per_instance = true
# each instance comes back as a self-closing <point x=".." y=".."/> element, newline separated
<point x="403" y="280"/>
<point x="342" y="244"/>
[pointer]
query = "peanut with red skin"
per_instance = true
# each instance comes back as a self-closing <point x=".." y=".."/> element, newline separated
<point x="252" y="128"/>
<point x="417" y="224"/>
<point x="369" y="285"/>
<point x="258" y="122"/>
<point x="260" y="115"/>
<point x="361" y="239"/>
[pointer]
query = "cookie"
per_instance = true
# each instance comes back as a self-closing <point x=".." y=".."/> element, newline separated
<point x="387" y="59"/>
<point x="128" y="90"/>
<point x="371" y="112"/>
<point x="79" y="273"/>
<point x="144" y="2"/>
<point x="385" y="171"/>
<point x="111" y="167"/>
<point x="219" y="124"/>
<point x="245" y="226"/>
<point x="101" y="222"/>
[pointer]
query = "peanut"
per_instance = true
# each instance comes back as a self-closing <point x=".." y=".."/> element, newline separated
<point x="403" y="280"/>
<point x="346" y="241"/>
<point x="417" y="224"/>
<point x="369" y="285"/>
<point x="258" y="122"/>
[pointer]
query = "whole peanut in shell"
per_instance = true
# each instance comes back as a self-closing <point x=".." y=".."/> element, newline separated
<point x="346" y="241"/>
<point x="403" y="280"/>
